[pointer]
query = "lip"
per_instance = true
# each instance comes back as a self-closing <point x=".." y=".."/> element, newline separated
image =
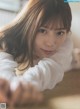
<point x="49" y="52"/>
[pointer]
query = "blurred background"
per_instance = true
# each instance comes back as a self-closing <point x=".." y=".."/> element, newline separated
<point x="9" y="9"/>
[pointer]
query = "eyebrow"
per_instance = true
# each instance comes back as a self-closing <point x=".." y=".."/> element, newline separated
<point x="59" y="28"/>
<point x="45" y="27"/>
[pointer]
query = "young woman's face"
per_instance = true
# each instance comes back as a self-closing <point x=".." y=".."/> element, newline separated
<point x="48" y="41"/>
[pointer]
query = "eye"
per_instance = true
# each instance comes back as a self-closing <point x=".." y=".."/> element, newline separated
<point x="60" y="33"/>
<point x="42" y="30"/>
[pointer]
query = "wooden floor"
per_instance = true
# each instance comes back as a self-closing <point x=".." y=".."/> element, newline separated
<point x="66" y="95"/>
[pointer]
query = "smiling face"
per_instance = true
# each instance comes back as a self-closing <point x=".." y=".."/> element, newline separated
<point x="48" y="40"/>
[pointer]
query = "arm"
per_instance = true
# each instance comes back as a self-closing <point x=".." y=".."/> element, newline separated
<point x="50" y="71"/>
<point x="7" y="66"/>
<point x="10" y="83"/>
<point x="7" y="69"/>
<point x="45" y="75"/>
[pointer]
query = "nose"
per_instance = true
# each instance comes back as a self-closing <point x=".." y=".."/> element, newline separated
<point x="51" y="41"/>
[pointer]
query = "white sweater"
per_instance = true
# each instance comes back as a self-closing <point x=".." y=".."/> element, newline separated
<point x="45" y="75"/>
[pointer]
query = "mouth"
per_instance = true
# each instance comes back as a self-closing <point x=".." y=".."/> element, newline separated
<point x="49" y="52"/>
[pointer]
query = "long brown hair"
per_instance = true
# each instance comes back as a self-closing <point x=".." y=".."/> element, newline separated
<point x="18" y="37"/>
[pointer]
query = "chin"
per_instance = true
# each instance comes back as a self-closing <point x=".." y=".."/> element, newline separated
<point x="45" y="56"/>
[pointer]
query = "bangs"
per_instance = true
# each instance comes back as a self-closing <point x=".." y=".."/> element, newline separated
<point x="55" y="17"/>
<point x="54" y="23"/>
<point x="58" y="21"/>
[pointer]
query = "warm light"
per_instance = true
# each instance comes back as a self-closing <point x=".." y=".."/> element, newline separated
<point x="65" y="102"/>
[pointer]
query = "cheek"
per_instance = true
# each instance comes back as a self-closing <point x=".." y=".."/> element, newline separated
<point x="61" y="41"/>
<point x="39" y="41"/>
<point x="38" y="44"/>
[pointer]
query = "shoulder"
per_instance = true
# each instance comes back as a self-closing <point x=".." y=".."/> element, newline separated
<point x="4" y="55"/>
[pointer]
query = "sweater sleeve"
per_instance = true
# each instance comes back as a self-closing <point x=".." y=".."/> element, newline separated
<point x="50" y="71"/>
<point x="45" y="75"/>
<point x="7" y="70"/>
<point x="7" y="66"/>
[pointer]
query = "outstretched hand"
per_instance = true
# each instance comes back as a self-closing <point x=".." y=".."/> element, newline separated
<point x="23" y="95"/>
